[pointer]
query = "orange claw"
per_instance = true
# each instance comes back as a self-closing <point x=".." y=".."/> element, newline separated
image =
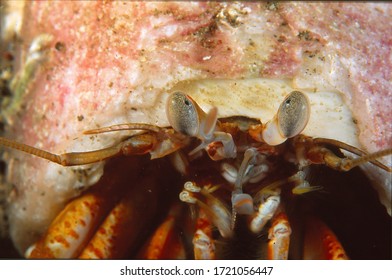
<point x="321" y="243"/>
<point x="100" y="216"/>
<point x="70" y="231"/>
<point x="117" y="234"/>
<point x="77" y="231"/>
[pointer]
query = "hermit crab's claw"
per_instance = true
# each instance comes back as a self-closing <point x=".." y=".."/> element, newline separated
<point x="105" y="221"/>
<point x="290" y="120"/>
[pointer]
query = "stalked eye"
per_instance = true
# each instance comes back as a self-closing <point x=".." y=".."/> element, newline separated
<point x="182" y="114"/>
<point x="289" y="121"/>
<point x="293" y="114"/>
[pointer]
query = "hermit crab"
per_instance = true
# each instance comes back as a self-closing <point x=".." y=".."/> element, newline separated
<point x="243" y="182"/>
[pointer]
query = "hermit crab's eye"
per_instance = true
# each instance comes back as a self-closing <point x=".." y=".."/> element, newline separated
<point x="293" y="114"/>
<point x="182" y="114"/>
<point x="291" y="119"/>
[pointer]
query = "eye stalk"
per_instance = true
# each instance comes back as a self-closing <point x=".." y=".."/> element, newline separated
<point x="293" y="114"/>
<point x="290" y="120"/>
<point x="186" y="117"/>
<point x="182" y="114"/>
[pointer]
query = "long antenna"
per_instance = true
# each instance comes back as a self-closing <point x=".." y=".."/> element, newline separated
<point x="30" y="150"/>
